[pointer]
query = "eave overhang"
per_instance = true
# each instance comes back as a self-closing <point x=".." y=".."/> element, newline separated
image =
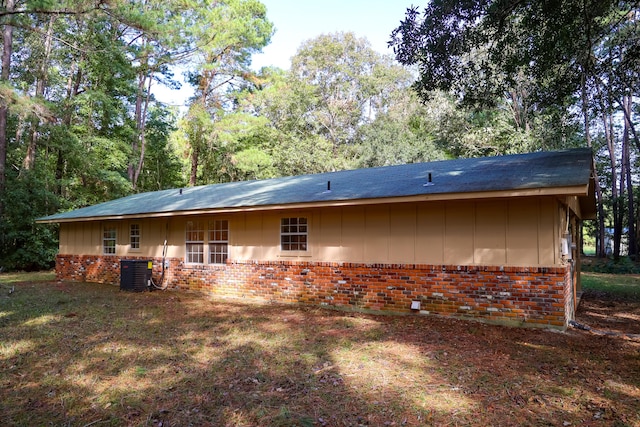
<point x="583" y="192"/>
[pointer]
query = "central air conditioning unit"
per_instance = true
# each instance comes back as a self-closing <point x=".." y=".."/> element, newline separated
<point x="135" y="274"/>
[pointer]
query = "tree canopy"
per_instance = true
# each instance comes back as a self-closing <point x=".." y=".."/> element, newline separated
<point x="483" y="49"/>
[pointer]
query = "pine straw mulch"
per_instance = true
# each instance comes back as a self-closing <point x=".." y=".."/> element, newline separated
<point x="90" y="355"/>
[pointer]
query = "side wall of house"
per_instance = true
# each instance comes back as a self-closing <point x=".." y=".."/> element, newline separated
<point x="498" y="261"/>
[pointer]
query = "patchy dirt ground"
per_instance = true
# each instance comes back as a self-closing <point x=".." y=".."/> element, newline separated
<point x="87" y="354"/>
<point x="607" y="313"/>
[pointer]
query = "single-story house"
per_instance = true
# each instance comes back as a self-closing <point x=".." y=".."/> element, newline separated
<point x="486" y="238"/>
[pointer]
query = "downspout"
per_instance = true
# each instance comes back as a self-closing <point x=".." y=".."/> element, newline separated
<point x="568" y="257"/>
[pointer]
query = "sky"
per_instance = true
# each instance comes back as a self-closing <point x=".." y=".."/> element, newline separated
<point x="296" y="21"/>
<point x="299" y="20"/>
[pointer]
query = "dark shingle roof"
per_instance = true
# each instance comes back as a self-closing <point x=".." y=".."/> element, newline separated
<point x="540" y="170"/>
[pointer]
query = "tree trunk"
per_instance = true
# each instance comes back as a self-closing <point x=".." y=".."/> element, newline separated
<point x="142" y="127"/>
<point x="194" y="166"/>
<point x="615" y="194"/>
<point x="203" y="84"/>
<point x="73" y="87"/>
<point x="632" y="243"/>
<point x="519" y="108"/>
<point x="138" y="120"/>
<point x="600" y="249"/>
<point x="41" y="82"/>
<point x="619" y="219"/>
<point x="7" y="46"/>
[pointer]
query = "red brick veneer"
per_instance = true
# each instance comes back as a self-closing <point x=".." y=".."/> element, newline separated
<point x="526" y="296"/>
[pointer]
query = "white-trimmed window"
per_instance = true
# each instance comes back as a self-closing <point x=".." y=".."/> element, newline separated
<point x="109" y="241"/>
<point x="195" y="242"/>
<point x="218" y="241"/>
<point x="134" y="236"/>
<point x="293" y="234"/>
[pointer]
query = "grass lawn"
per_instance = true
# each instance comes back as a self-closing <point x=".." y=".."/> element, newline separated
<point x="620" y="286"/>
<point x="82" y="354"/>
<point x="36" y="276"/>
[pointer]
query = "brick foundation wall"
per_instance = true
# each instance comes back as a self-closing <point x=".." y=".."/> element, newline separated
<point x="86" y="268"/>
<point x="524" y="296"/>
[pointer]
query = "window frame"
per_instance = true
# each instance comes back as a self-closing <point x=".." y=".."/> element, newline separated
<point x="292" y="231"/>
<point x="218" y="237"/>
<point x="133" y="237"/>
<point x="109" y="249"/>
<point x="207" y="241"/>
<point x="194" y="238"/>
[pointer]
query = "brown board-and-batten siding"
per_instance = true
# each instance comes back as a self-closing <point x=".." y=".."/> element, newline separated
<point x="508" y="232"/>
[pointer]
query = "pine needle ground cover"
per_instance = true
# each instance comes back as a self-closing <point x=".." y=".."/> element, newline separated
<point x="82" y="354"/>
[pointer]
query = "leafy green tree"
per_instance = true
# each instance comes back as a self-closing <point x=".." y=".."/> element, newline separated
<point x="77" y="114"/>
<point x="483" y="49"/>
<point x="7" y="48"/>
<point x="342" y="105"/>
<point x="347" y="84"/>
<point x="197" y="136"/>
<point x="163" y="168"/>
<point x="24" y="244"/>
<point x="240" y="28"/>
<point x="286" y="131"/>
<point x="244" y="149"/>
<point x="80" y="120"/>
<point x="40" y="32"/>
<point x="158" y="35"/>
<point x="403" y="133"/>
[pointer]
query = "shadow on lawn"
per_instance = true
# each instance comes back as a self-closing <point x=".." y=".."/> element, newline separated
<point x="79" y="354"/>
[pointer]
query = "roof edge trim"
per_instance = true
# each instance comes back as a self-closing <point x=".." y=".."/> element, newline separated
<point x="578" y="190"/>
